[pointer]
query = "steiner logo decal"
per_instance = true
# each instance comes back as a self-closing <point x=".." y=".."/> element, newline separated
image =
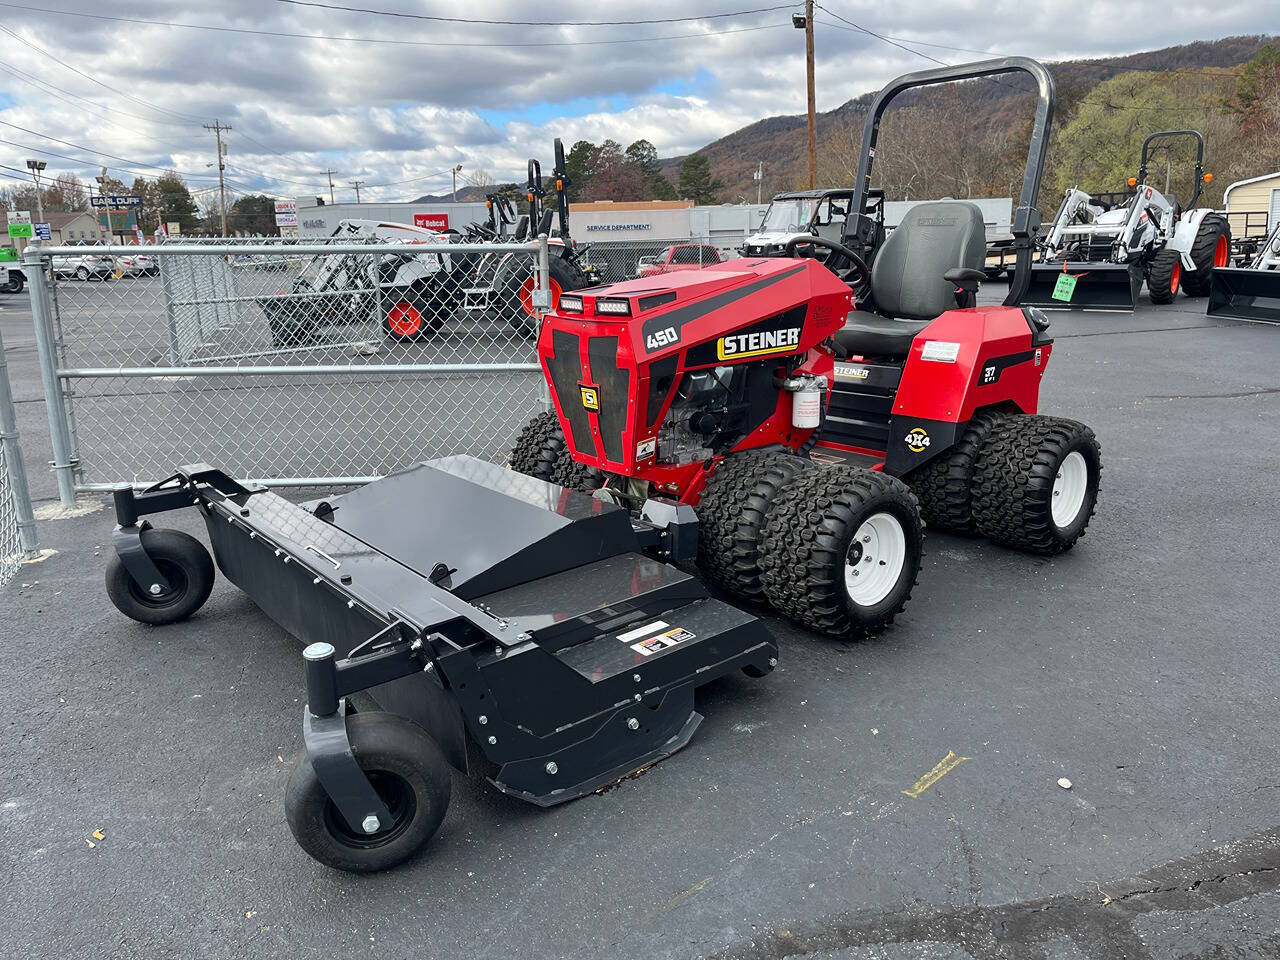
<point x="917" y="440"/>
<point x="738" y="346"/>
<point x="590" y="397"/>
<point x="845" y="371"/>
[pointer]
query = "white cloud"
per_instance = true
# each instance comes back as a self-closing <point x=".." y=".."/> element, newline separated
<point x="384" y="113"/>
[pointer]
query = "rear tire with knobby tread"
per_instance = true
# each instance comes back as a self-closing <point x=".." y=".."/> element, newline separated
<point x="1214" y="227"/>
<point x="809" y="534"/>
<point x="944" y="485"/>
<point x="1014" y="481"/>
<point x="732" y="514"/>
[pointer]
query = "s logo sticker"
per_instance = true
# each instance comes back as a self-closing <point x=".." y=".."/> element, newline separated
<point x="590" y="397"/>
<point x="917" y="440"/>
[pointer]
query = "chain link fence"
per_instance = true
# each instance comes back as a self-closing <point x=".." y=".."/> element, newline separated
<point x="303" y="362"/>
<point x="295" y="363"/>
<point x="17" y="524"/>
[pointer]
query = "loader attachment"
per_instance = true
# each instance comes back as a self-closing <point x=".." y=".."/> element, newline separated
<point x="1245" y="294"/>
<point x="1096" y="286"/>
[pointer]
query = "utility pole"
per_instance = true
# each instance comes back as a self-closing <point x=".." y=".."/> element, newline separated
<point x="808" y="65"/>
<point x="330" y="173"/>
<point x="758" y="177"/>
<point x="217" y="129"/>
<point x="102" y="192"/>
<point x="35" y="166"/>
<point x="455" y="182"/>
<point x="358" y="184"/>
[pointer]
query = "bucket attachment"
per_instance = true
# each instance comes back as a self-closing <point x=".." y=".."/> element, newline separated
<point x="1097" y="286"/>
<point x="1245" y="294"/>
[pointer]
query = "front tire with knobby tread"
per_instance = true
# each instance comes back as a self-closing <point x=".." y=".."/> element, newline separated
<point x="541" y="451"/>
<point x="732" y="514"/>
<point x="810" y="533"/>
<point x="1014" y="482"/>
<point x="410" y="774"/>
<point x="944" y="485"/>
<point x="183" y="561"/>
<point x="1164" y="276"/>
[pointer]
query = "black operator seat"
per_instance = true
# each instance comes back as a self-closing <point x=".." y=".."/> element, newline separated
<point x="909" y="286"/>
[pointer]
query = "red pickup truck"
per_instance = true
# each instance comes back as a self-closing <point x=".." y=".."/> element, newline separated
<point x="678" y="256"/>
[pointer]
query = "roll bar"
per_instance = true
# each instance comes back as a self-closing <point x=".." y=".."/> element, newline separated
<point x="1026" y="218"/>
<point x="1162" y="134"/>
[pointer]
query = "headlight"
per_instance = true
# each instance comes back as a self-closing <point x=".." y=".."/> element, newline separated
<point x="569" y="304"/>
<point x="613" y="305"/>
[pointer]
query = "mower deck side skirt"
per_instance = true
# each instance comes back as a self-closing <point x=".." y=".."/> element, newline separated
<point x="1099" y="286"/>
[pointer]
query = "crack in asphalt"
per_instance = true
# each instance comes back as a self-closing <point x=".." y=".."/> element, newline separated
<point x="1099" y="924"/>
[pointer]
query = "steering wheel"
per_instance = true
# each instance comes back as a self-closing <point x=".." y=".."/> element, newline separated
<point x="857" y="275"/>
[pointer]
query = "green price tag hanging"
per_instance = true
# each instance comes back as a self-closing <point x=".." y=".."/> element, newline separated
<point x="1065" y="287"/>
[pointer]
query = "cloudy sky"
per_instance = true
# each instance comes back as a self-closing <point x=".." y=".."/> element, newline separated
<point x="403" y="99"/>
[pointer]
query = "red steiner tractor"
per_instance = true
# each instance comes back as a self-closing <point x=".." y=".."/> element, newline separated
<point x="814" y="414"/>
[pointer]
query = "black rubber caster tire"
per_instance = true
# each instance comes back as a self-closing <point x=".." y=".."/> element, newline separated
<point x="410" y="774"/>
<point x="1016" y="476"/>
<point x="732" y="514"/>
<point x="810" y="550"/>
<point x="185" y="563"/>
<point x="944" y="485"/>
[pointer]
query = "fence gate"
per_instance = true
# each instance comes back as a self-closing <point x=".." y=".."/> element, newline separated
<point x="284" y="363"/>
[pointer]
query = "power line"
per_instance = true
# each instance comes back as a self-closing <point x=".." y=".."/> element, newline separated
<point x="880" y="36"/>
<point x="919" y="43"/>
<point x="533" y="23"/>
<point x="393" y="42"/>
<point x="80" y="146"/>
<point x="43" y="52"/>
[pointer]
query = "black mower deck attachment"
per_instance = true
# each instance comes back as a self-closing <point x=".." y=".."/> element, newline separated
<point x="1097" y="286"/>
<point x="530" y="618"/>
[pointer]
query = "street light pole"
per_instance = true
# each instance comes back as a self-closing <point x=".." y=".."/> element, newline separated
<point x="804" y="21"/>
<point x="35" y="166"/>
<point x="217" y="129"/>
<point x="455" y="182"/>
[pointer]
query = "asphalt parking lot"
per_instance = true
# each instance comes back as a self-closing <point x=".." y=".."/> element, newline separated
<point x="1141" y="666"/>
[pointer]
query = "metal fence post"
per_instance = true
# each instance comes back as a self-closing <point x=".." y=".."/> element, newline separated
<point x="544" y="284"/>
<point x="46" y="345"/>
<point x="14" y="463"/>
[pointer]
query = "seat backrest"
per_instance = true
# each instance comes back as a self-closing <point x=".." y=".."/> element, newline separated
<point x="906" y="276"/>
<point x="522" y="228"/>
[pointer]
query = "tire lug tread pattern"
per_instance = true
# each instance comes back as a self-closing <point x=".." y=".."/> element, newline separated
<point x="540" y="451"/>
<point x="1196" y="283"/>
<point x="732" y="514"/>
<point x="807" y="536"/>
<point x="1014" y="476"/>
<point x="944" y="485"/>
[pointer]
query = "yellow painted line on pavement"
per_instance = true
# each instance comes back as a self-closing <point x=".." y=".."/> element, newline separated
<point x="949" y="763"/>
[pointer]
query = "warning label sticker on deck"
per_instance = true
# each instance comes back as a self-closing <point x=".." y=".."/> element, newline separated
<point x="662" y="641"/>
<point x="647" y="630"/>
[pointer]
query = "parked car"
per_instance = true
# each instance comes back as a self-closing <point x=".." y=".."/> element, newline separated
<point x="11" y="275"/>
<point x="84" y="266"/>
<point x="132" y="266"/>
<point x="677" y="257"/>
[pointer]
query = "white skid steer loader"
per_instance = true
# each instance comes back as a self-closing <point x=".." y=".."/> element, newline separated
<point x="1107" y="251"/>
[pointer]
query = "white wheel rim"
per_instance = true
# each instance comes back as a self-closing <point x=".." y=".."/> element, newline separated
<point x="1069" y="488"/>
<point x="875" y="559"/>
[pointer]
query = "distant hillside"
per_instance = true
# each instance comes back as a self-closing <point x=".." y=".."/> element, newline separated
<point x="782" y="142"/>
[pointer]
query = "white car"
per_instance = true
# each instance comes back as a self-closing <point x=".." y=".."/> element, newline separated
<point x="131" y="266"/>
<point x="84" y="266"/>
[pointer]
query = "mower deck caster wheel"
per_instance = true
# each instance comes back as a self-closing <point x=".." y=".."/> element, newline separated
<point x="844" y="547"/>
<point x="183" y="561"/>
<point x="1035" y="485"/>
<point x="411" y="776"/>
